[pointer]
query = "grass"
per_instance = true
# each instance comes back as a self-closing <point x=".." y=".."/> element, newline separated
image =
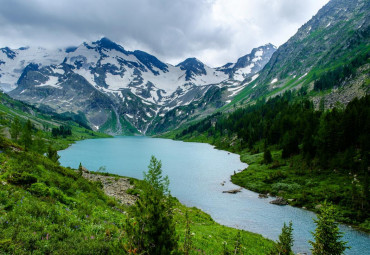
<point x="292" y="178"/>
<point x="46" y="208"/>
<point x="302" y="186"/>
<point x="209" y="237"/>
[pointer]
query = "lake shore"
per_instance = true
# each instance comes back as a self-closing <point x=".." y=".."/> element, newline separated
<point x="196" y="172"/>
<point x="208" y="235"/>
<point x="257" y="171"/>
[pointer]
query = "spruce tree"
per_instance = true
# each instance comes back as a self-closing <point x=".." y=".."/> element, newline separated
<point x="15" y="128"/>
<point x="327" y="235"/>
<point x="27" y="135"/>
<point x="267" y="157"/>
<point x="151" y="229"/>
<point x="285" y="243"/>
<point x="52" y="154"/>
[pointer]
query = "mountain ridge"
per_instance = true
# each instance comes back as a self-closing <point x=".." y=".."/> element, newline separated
<point x="108" y="83"/>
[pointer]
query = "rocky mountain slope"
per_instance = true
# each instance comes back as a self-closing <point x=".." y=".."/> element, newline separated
<point x="119" y="91"/>
<point x="334" y="37"/>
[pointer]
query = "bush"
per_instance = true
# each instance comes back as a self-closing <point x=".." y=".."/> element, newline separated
<point x="21" y="178"/>
<point x="39" y="189"/>
<point x="276" y="187"/>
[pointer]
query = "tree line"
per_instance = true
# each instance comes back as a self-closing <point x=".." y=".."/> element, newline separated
<point x="335" y="140"/>
<point x="32" y="139"/>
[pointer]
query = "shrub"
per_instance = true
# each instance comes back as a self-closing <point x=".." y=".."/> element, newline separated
<point x="276" y="187"/>
<point x="21" y="178"/>
<point x="39" y="189"/>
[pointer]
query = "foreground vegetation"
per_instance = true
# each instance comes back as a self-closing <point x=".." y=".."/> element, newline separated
<point x="317" y="155"/>
<point x="49" y="209"/>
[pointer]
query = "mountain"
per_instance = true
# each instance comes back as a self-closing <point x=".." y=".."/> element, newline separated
<point x="249" y="64"/>
<point x="337" y="35"/>
<point x="119" y="91"/>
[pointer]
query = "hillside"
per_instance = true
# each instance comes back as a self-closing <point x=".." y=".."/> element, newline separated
<point x="335" y="36"/>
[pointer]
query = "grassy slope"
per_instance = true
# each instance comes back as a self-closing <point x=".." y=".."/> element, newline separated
<point x="46" y="208"/>
<point x="296" y="82"/>
<point x="10" y="108"/>
<point x="307" y="189"/>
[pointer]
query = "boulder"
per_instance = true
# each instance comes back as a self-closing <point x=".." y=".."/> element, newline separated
<point x="232" y="191"/>
<point x="262" y="195"/>
<point x="279" y="201"/>
<point x="317" y="207"/>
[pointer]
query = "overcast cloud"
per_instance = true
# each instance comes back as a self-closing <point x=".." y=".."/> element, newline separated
<point x="214" y="31"/>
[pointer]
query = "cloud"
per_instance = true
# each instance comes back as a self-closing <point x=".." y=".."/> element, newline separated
<point x="214" y="31"/>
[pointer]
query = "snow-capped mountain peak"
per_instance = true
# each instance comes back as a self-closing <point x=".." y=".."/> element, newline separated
<point x="110" y="84"/>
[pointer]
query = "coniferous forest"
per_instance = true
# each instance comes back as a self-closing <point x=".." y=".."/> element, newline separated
<point x="306" y="143"/>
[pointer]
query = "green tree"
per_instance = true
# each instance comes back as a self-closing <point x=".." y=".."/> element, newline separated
<point x="187" y="239"/>
<point x="15" y="128"/>
<point x="285" y="243"/>
<point x="151" y="229"/>
<point x="27" y="135"/>
<point x="80" y="169"/>
<point x="39" y="143"/>
<point x="327" y="235"/>
<point x="267" y="157"/>
<point x="2" y="123"/>
<point x="52" y="154"/>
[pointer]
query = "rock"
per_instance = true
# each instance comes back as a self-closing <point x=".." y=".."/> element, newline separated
<point x="304" y="208"/>
<point x="279" y="201"/>
<point x="291" y="200"/>
<point x="114" y="187"/>
<point x="232" y="191"/>
<point x="317" y="207"/>
<point x="262" y="195"/>
<point x="85" y="170"/>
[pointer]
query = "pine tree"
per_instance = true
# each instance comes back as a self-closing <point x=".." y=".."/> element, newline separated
<point x="285" y="243"/>
<point x="27" y="135"/>
<point x="327" y="235"/>
<point x="52" y="154"/>
<point x="15" y="128"/>
<point x="39" y="143"/>
<point x="267" y="158"/>
<point x="151" y="229"/>
<point x="80" y="169"/>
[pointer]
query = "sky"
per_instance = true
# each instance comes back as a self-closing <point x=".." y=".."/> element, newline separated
<point x="214" y="31"/>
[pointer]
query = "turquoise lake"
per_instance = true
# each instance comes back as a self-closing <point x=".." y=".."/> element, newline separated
<point x="196" y="172"/>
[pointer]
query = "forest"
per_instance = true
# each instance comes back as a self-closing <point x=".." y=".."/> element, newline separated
<point x="315" y="143"/>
